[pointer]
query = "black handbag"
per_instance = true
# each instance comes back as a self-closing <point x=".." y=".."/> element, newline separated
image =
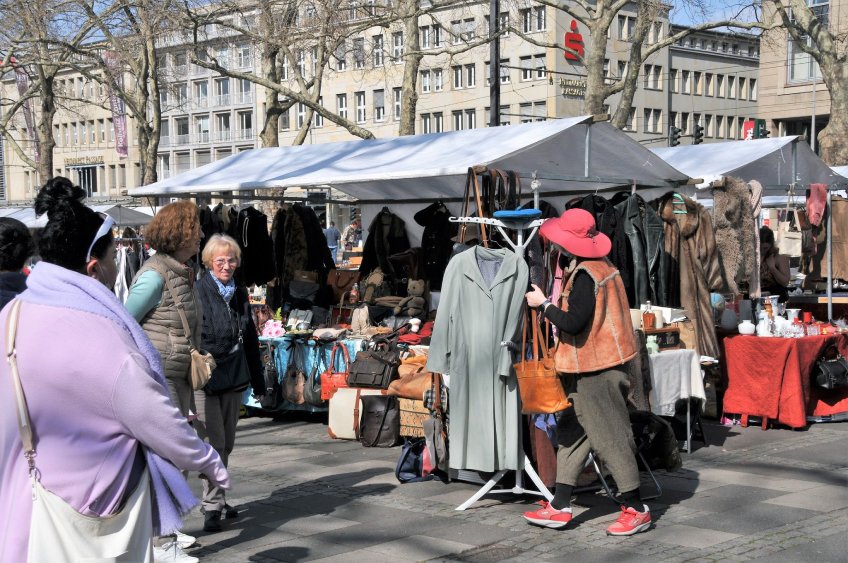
<point x="231" y="373"/>
<point x="272" y="394"/>
<point x="312" y="389"/>
<point x="831" y="370"/>
<point x="379" y="423"/>
<point x="375" y="369"/>
<point x="410" y="464"/>
<point x="303" y="293"/>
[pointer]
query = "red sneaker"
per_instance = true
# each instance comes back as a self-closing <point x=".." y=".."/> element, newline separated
<point x="548" y="516"/>
<point x="630" y="522"/>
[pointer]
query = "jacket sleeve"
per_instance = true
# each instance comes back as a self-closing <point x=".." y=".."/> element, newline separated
<point x="144" y="408"/>
<point x="709" y="254"/>
<point x="438" y="357"/>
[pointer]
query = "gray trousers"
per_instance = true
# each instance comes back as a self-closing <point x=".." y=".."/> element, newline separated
<point x="599" y="421"/>
<point x="217" y="417"/>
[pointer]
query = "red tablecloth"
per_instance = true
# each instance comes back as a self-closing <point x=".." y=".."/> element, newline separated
<point x="770" y="378"/>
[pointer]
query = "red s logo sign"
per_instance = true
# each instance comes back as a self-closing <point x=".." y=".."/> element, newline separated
<point x="574" y="43"/>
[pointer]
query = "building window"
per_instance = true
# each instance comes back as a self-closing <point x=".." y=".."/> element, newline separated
<point x="341" y="56"/>
<point x="708" y="126"/>
<point x="470" y="75"/>
<point x="359" y="53"/>
<point x="201" y="94"/>
<point x="222" y="55"/>
<point x="245" y="92"/>
<point x="470" y="119"/>
<point x="625" y="27"/>
<point x="245" y="119"/>
<point x="201" y="128"/>
<point x="222" y="92"/>
<point x="743" y="88"/>
<point x="438" y="80"/>
<point x="719" y="86"/>
<point x="101" y="126"/>
<point x="438" y="122"/>
<point x="699" y="84"/>
<point x="526" y="68"/>
<point x="243" y="56"/>
<point x="504" y="68"/>
<point x="181" y="125"/>
<point x="753" y="89"/>
<point x="684" y="123"/>
<point x="222" y="126"/>
<point x="457" y="77"/>
<point x="341" y="105"/>
<point x="673" y="78"/>
<point x="653" y="121"/>
<point x="284" y="71"/>
<point x="424" y="37"/>
<point x="317" y="118"/>
<point x="437" y="35"/>
<point x="541" y="68"/>
<point x="469" y="29"/>
<point x="396" y="94"/>
<point x="359" y="98"/>
<point x="425" y="81"/>
<point x="541" y="18"/>
<point x="710" y="84"/>
<point x="379" y="105"/>
<point x="181" y="91"/>
<point x="653" y="77"/>
<point x="397" y="46"/>
<point x="731" y="87"/>
<point x="378" y="50"/>
<point x="456" y="31"/>
<point x="685" y="82"/>
<point x="426" y="126"/>
<point x="719" y="127"/>
<point x="457" y="120"/>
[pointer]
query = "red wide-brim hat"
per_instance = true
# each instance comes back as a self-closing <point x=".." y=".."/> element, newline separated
<point x="575" y="231"/>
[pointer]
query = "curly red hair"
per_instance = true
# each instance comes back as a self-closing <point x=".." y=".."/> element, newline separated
<point x="173" y="227"/>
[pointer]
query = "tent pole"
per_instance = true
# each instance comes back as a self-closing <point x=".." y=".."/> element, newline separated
<point x="586" y="150"/>
<point x="829" y="256"/>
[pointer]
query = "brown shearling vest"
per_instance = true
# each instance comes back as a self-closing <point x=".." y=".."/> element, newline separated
<point x="609" y="340"/>
<point x="163" y="324"/>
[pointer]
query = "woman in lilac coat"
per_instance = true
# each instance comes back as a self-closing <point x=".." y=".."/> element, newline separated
<point x="99" y="406"/>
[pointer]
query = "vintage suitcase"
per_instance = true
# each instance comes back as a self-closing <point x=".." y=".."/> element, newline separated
<point x="345" y="408"/>
<point x="412" y="415"/>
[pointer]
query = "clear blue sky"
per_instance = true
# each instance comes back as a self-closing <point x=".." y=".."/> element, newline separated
<point x="691" y="12"/>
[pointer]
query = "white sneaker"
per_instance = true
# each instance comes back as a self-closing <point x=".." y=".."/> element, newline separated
<point x="171" y="552"/>
<point x="185" y="541"/>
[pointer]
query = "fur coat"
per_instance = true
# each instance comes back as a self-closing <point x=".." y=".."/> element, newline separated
<point x="734" y="233"/>
<point x="690" y="243"/>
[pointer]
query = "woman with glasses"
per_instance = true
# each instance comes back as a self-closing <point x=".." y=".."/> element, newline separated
<point x="230" y="336"/>
<point x="105" y="429"/>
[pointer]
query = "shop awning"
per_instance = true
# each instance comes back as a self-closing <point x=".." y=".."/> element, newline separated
<point x="775" y="163"/>
<point x="573" y="154"/>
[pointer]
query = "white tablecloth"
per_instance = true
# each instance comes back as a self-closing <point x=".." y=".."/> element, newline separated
<point x="675" y="374"/>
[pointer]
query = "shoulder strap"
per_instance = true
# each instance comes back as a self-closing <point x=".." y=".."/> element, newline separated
<point x="24" y="424"/>
<point x="177" y="303"/>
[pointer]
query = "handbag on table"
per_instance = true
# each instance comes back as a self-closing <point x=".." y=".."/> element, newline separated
<point x="340" y="282"/>
<point x="57" y="531"/>
<point x="413" y="380"/>
<point x="273" y="391"/>
<point x="295" y="378"/>
<point x="375" y="369"/>
<point x="312" y="388"/>
<point x="831" y="370"/>
<point x="539" y="384"/>
<point x="332" y="379"/>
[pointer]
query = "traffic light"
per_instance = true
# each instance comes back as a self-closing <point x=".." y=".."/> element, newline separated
<point x="760" y="131"/>
<point x="674" y="136"/>
<point x="698" y="136"/>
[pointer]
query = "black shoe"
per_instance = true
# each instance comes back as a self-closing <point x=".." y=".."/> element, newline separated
<point x="230" y="512"/>
<point x="212" y="521"/>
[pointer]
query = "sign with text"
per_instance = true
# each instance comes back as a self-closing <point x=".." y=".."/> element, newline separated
<point x="573" y="43"/>
<point x="119" y="111"/>
<point x="748" y="130"/>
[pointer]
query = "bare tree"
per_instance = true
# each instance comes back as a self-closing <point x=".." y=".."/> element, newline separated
<point x="825" y="42"/>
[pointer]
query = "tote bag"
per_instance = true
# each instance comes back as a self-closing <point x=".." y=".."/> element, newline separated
<point x="57" y="531"/>
<point x="538" y="382"/>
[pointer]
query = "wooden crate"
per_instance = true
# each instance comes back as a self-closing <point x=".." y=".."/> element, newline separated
<point x="412" y="415"/>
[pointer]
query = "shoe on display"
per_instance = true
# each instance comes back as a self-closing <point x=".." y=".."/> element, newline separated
<point x="171" y="552"/>
<point x="630" y="522"/>
<point x="548" y="516"/>
<point x="212" y="521"/>
<point x="230" y="512"/>
<point x="185" y="541"/>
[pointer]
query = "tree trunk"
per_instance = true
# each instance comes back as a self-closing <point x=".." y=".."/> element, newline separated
<point x="270" y="135"/>
<point x="833" y="148"/>
<point x="152" y="125"/>
<point x="44" y="134"/>
<point x="412" y="61"/>
<point x="596" y="88"/>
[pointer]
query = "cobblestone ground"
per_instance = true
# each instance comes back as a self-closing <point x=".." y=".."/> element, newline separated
<point x="776" y="495"/>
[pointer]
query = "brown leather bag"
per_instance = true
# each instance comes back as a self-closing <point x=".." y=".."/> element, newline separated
<point x="412" y="380"/>
<point x="341" y="281"/>
<point x="539" y="384"/>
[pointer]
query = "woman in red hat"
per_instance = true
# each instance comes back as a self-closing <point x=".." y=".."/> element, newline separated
<point x="595" y="340"/>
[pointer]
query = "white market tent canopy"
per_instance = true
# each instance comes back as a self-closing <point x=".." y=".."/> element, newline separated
<point x="123" y="216"/>
<point x="841" y="170"/>
<point x="777" y="164"/>
<point x="430" y="167"/>
<point x="570" y="155"/>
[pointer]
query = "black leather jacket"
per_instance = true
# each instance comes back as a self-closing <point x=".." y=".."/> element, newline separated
<point x="643" y="228"/>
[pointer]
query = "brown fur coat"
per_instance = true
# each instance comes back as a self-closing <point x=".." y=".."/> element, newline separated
<point x="735" y="233"/>
<point x="690" y="243"/>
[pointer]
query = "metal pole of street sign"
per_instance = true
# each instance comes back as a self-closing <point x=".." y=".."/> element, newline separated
<point x="494" y="64"/>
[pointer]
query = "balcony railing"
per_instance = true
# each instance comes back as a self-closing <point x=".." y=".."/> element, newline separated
<point x="201" y="102"/>
<point x="222" y="100"/>
<point x="182" y="139"/>
<point x="164" y="141"/>
<point x="202" y="137"/>
<point x="244" y="98"/>
<point x="224" y="135"/>
<point x="243" y="134"/>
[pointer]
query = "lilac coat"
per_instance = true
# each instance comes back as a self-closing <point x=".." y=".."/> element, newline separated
<point x="88" y="422"/>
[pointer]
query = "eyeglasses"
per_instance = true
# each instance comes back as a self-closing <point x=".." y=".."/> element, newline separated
<point x="104" y="229"/>
<point x="221" y="262"/>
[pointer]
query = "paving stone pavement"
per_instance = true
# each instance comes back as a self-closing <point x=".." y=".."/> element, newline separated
<point x="751" y="495"/>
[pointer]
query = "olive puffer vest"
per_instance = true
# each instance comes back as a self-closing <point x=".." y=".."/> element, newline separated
<point x="608" y="341"/>
<point x="163" y="324"/>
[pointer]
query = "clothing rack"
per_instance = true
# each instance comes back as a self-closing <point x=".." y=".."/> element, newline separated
<point x="521" y="226"/>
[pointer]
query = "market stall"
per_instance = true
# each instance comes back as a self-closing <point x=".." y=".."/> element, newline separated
<point x="123" y="216"/>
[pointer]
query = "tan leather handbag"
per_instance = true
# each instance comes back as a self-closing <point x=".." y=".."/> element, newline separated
<point x="539" y="384"/>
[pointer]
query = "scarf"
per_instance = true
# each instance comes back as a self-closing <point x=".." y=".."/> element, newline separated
<point x="227" y="291"/>
<point x="55" y="286"/>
